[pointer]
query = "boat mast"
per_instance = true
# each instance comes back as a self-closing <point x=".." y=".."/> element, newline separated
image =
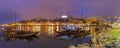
<point x="82" y="14"/>
<point x="13" y="14"/>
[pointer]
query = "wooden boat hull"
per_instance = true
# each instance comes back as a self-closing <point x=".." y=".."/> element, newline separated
<point x="17" y="35"/>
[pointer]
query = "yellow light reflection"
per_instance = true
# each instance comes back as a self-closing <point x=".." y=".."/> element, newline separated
<point x="58" y="28"/>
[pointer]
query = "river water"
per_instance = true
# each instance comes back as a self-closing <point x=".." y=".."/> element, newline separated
<point x="44" y="39"/>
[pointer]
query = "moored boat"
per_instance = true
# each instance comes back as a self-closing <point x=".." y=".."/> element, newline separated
<point x="19" y="34"/>
<point x="8" y="32"/>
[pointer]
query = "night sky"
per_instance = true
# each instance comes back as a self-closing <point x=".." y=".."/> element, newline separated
<point x="27" y="9"/>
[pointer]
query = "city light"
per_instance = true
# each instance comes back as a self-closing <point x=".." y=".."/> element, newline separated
<point x="64" y="16"/>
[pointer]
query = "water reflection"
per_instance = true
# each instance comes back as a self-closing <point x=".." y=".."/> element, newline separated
<point x="50" y="28"/>
<point x="21" y="38"/>
<point x="46" y="34"/>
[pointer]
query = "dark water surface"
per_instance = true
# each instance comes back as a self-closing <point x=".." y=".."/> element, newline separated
<point x="43" y="40"/>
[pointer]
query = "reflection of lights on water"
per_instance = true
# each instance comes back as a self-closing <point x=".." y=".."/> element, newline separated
<point x="50" y="30"/>
<point x="2" y="38"/>
<point x="64" y="37"/>
<point x="28" y="28"/>
<point x="34" y="28"/>
<point x="57" y="28"/>
<point x="17" y="39"/>
<point x="46" y="29"/>
<point x="24" y="39"/>
<point x="20" y="26"/>
<point x="38" y="28"/>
